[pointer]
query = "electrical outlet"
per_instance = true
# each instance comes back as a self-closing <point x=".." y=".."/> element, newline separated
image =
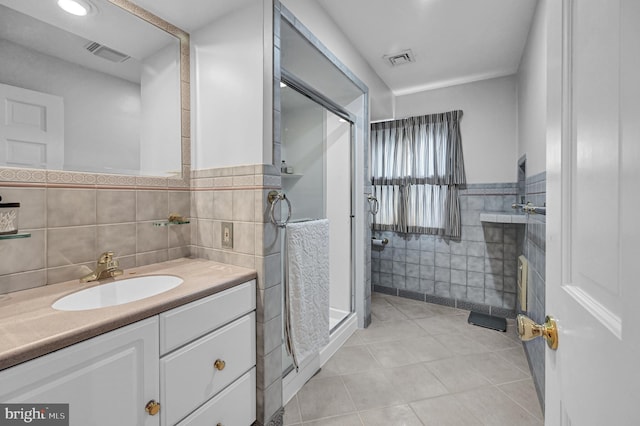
<point x="227" y="234"/>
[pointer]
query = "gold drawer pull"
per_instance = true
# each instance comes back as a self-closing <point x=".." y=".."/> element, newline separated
<point x="152" y="407"/>
<point x="219" y="364"/>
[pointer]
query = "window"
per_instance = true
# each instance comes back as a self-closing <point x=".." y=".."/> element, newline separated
<point x="417" y="168"/>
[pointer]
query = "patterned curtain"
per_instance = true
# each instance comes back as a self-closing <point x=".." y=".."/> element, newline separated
<point x="417" y="168"/>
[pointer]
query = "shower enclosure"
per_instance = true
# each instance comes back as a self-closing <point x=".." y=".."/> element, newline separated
<point x="316" y="178"/>
<point x="321" y="112"/>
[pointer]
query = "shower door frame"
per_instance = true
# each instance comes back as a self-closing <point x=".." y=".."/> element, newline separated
<point x="304" y="89"/>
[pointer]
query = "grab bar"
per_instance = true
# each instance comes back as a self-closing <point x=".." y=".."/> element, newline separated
<point x="530" y="208"/>
<point x="274" y="197"/>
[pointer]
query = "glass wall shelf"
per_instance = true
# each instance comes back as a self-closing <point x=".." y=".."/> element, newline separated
<point x="173" y="222"/>
<point x="15" y="236"/>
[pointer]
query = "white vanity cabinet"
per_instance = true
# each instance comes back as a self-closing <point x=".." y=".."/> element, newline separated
<point x="106" y="380"/>
<point x="197" y="361"/>
<point x="216" y="346"/>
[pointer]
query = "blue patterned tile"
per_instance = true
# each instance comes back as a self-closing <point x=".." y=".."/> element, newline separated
<point x="495" y="250"/>
<point x="443" y="274"/>
<point x="444" y="301"/>
<point x="412" y="283"/>
<point x="458" y="247"/>
<point x="413" y="256"/>
<point x="411" y="295"/>
<point x="413" y="242"/>
<point x="510" y="284"/>
<point x="427" y="286"/>
<point x="427" y="242"/>
<point x="386" y="280"/>
<point x="412" y="270"/>
<point x="443" y="260"/>
<point x="385" y="290"/>
<point x="475" y="294"/>
<point x="442" y="245"/>
<point x="399" y="281"/>
<point x="443" y="289"/>
<point x="475" y="279"/>
<point x="427" y="258"/>
<point x="399" y="254"/>
<point x="475" y="203"/>
<point x="475" y="264"/>
<point x="386" y="266"/>
<point x="399" y="268"/>
<point x="493" y="233"/>
<point x="493" y="297"/>
<point x="458" y="277"/>
<point x="458" y="291"/>
<point x="458" y="262"/>
<point x="475" y="249"/>
<point x="427" y="272"/>
<point x="493" y="266"/>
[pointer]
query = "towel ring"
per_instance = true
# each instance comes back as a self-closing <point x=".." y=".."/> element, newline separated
<point x="374" y="204"/>
<point x="274" y="198"/>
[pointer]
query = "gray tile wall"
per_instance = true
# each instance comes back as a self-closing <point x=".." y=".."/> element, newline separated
<point x="534" y="249"/>
<point x="240" y="195"/>
<point x="71" y="225"/>
<point x="476" y="272"/>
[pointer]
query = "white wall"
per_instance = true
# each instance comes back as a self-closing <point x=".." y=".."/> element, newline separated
<point x="532" y="99"/>
<point x="160" y="151"/>
<point x="322" y="26"/>
<point x="102" y="113"/>
<point x="227" y="91"/>
<point x="488" y="126"/>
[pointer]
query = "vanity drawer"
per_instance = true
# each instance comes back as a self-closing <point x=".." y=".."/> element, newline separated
<point x="188" y="376"/>
<point x="186" y="323"/>
<point x="236" y="405"/>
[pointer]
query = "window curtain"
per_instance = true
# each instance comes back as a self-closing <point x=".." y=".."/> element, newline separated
<point x="417" y="168"/>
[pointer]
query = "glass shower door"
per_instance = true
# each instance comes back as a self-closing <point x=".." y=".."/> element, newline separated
<point x="316" y="178"/>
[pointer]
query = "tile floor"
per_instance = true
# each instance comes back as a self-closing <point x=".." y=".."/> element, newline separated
<point x="420" y="364"/>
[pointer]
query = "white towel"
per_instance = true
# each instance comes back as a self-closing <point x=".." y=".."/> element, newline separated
<point x="307" y="288"/>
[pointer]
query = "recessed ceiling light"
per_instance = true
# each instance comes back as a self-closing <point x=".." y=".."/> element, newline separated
<point x="76" y="7"/>
<point x="283" y="84"/>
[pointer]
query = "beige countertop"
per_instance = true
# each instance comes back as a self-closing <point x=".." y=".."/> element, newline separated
<point x="30" y="327"/>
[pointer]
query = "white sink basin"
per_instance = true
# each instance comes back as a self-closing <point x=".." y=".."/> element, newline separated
<point x="117" y="292"/>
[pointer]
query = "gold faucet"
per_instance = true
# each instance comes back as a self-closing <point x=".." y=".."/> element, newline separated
<point x="107" y="267"/>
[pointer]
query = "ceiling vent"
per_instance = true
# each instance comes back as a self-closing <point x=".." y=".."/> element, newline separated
<point x="400" y="58"/>
<point x="106" y="53"/>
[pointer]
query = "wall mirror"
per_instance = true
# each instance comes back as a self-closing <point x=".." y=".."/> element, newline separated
<point x="100" y="93"/>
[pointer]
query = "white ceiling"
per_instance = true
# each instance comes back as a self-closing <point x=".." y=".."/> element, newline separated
<point x="454" y="41"/>
<point x="190" y="15"/>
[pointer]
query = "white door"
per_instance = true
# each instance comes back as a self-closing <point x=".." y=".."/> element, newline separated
<point x="593" y="224"/>
<point x="31" y="129"/>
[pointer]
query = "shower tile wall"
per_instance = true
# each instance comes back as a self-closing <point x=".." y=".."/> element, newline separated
<point x="476" y="272"/>
<point x="534" y="248"/>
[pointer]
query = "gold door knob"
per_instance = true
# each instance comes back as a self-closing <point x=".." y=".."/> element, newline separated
<point x="152" y="407"/>
<point x="528" y="329"/>
<point x="219" y="364"/>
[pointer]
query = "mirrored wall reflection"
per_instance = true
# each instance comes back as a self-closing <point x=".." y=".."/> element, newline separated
<point x="98" y="93"/>
<point x="316" y="177"/>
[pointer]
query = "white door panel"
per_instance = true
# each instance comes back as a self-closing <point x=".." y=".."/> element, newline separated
<point x="31" y="128"/>
<point x="593" y="171"/>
